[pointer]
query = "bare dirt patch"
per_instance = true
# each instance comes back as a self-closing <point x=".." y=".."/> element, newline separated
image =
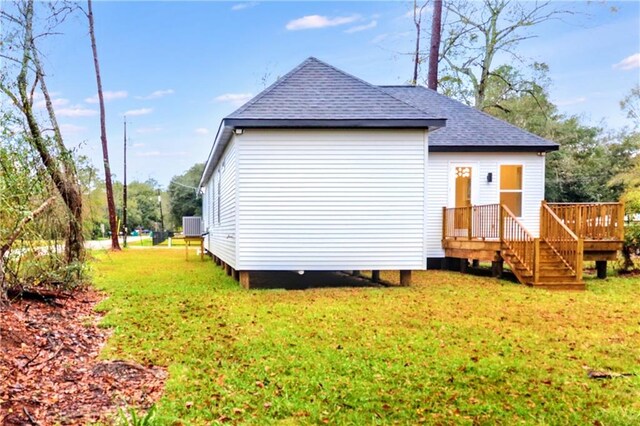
<point x="50" y="368"/>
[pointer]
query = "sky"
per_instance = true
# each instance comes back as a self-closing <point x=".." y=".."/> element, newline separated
<point x="177" y="68"/>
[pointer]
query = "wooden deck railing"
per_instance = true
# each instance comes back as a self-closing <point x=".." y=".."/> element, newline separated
<point x="592" y="221"/>
<point x="473" y="222"/>
<point x="519" y="241"/>
<point x="561" y="239"/>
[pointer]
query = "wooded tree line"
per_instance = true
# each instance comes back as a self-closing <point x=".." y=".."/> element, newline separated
<point x="479" y="63"/>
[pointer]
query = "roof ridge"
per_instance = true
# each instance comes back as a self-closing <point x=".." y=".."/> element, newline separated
<point x="482" y="112"/>
<point x="378" y="88"/>
<point x="275" y="84"/>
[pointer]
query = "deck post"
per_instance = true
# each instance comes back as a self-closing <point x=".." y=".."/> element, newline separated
<point x="235" y="274"/>
<point x="405" y="278"/>
<point x="355" y="273"/>
<point x="469" y="222"/>
<point x="375" y="276"/>
<point x="497" y="268"/>
<point x="444" y="223"/>
<point x="463" y="266"/>
<point x="601" y="268"/>
<point x="536" y="261"/>
<point x="580" y="259"/>
<point x="501" y="224"/>
<point x="475" y="263"/>
<point x="621" y="221"/>
<point x="227" y="269"/>
<point x="245" y="279"/>
<point x="578" y="221"/>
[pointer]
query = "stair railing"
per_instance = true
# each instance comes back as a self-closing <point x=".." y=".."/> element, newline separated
<point x="565" y="242"/>
<point x="522" y="245"/>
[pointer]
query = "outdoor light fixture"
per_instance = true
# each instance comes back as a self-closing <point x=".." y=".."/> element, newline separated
<point x="489" y="177"/>
<point x="541" y="154"/>
<point x="238" y="131"/>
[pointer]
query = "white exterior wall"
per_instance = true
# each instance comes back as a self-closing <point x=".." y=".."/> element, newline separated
<point x="439" y="187"/>
<point x="221" y="240"/>
<point x="331" y="199"/>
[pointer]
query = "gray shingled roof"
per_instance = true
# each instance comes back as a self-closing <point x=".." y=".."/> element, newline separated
<point x="315" y="90"/>
<point x="318" y="95"/>
<point x="467" y="127"/>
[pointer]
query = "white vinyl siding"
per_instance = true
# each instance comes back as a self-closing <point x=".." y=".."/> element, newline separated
<point x="331" y="199"/>
<point x="221" y="240"/>
<point x="439" y="187"/>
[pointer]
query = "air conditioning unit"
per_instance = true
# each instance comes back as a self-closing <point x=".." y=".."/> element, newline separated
<point x="192" y="226"/>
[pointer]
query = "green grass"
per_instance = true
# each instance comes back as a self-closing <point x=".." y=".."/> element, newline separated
<point x="450" y="349"/>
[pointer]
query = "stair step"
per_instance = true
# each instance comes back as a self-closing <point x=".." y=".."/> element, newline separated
<point x="571" y="285"/>
<point x="554" y="279"/>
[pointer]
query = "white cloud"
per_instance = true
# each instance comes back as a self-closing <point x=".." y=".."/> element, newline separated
<point x="108" y="96"/>
<point x="380" y="37"/>
<point x="628" y="63"/>
<point x="76" y="111"/>
<point x="147" y="130"/>
<point x="572" y="101"/>
<point x="69" y="129"/>
<point x="161" y="154"/>
<point x="57" y="102"/>
<point x="157" y="94"/>
<point x="138" y="145"/>
<point x="234" y="98"/>
<point x="364" y="27"/>
<point x="244" y="5"/>
<point x="201" y="131"/>
<point x="318" y="21"/>
<point x="427" y="10"/>
<point x="140" y="111"/>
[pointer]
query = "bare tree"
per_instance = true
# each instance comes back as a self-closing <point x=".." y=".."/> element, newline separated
<point x="478" y="32"/>
<point x="115" y="245"/>
<point x="434" y="50"/>
<point x="56" y="158"/>
<point x="417" y="22"/>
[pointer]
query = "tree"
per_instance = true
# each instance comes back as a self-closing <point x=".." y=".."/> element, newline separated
<point x="434" y="50"/>
<point x="183" y="194"/>
<point x="113" y="224"/>
<point x="477" y="33"/>
<point x="19" y="83"/>
<point x="417" y="22"/>
<point x="631" y="105"/>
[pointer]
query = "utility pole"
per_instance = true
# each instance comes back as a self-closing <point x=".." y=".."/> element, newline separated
<point x="124" y="189"/>
<point x="161" y="215"/>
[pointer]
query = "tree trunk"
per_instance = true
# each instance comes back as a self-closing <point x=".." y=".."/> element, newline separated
<point x="61" y="172"/>
<point x="416" y="58"/>
<point x="434" y="51"/>
<point x="113" y="224"/>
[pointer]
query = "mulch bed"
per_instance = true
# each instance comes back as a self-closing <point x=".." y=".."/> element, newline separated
<point x="49" y="367"/>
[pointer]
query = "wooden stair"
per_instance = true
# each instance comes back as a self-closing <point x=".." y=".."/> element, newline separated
<point x="552" y="271"/>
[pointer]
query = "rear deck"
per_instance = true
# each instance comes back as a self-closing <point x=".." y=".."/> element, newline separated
<point x="570" y="233"/>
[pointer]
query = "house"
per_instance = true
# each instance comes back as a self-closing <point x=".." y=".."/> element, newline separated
<point x="324" y="171"/>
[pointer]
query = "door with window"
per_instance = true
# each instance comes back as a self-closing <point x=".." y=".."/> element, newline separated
<point x="461" y="194"/>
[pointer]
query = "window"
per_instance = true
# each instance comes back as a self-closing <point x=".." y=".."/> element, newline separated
<point x="218" y="196"/>
<point x="511" y="188"/>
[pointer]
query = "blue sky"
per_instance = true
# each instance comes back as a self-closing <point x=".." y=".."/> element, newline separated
<point x="177" y="68"/>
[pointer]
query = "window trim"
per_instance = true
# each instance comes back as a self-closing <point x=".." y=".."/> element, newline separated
<point x="521" y="190"/>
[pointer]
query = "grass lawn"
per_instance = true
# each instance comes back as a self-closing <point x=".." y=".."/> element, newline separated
<point x="450" y="349"/>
